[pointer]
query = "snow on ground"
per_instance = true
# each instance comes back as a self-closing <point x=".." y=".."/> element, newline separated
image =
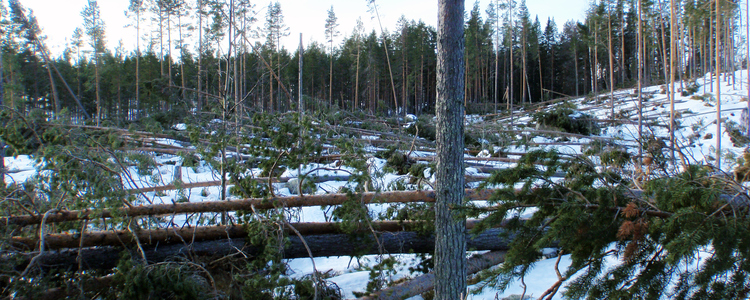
<point x="20" y="168"/>
<point x="696" y="136"/>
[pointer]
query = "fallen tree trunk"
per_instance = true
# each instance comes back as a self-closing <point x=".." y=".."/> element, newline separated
<point x="169" y="187"/>
<point x="320" y="246"/>
<point x="234" y="205"/>
<point x="426" y="282"/>
<point x="173" y="235"/>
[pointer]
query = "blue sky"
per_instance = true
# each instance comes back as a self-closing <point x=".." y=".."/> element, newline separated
<point x="59" y="18"/>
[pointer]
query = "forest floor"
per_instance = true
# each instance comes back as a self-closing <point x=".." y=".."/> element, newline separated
<point x="695" y="138"/>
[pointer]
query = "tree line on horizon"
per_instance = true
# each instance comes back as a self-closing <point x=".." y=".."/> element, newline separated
<point x="239" y="65"/>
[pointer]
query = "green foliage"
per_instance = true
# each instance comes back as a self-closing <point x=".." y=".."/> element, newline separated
<point x="379" y="275"/>
<point x="742" y="171"/>
<point x="73" y="160"/>
<point x="594" y="219"/>
<point x="304" y="288"/>
<point x="736" y="134"/>
<point x="610" y="154"/>
<point x="423" y="128"/>
<point x="396" y="161"/>
<point x="691" y="88"/>
<point x="568" y="120"/>
<point x="265" y="273"/>
<point x="170" y="280"/>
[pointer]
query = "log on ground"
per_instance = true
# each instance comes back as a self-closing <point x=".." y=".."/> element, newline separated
<point x="324" y="245"/>
<point x="234" y="205"/>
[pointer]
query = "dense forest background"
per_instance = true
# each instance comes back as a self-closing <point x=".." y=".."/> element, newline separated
<point x="238" y="62"/>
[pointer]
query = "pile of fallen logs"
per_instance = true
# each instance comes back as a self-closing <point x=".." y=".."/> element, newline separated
<point x="101" y="249"/>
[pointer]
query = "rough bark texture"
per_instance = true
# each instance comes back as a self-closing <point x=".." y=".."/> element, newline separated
<point x="2" y="143"/>
<point x="176" y="235"/>
<point x="718" y="85"/>
<point x="234" y="205"/>
<point x="106" y="257"/>
<point x="450" y="241"/>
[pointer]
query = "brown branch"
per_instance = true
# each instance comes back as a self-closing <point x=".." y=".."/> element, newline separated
<point x="234" y="205"/>
<point x="201" y="233"/>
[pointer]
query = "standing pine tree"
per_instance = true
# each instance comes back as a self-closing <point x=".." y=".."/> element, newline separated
<point x="275" y="30"/>
<point x="137" y="7"/>
<point x="450" y="225"/>
<point x="2" y="92"/>
<point x="331" y="33"/>
<point x="94" y="26"/>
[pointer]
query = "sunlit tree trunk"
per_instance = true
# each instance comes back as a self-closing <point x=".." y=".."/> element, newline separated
<point x="611" y="64"/>
<point x="2" y="143"/>
<point x="640" y="81"/>
<point x="450" y="227"/>
<point x="672" y="48"/>
<point x="718" y="85"/>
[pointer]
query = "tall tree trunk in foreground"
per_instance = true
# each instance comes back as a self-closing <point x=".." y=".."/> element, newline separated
<point x="611" y="63"/>
<point x="717" y="46"/>
<point x="450" y="241"/>
<point x="2" y="143"/>
<point x="640" y="82"/>
<point x="672" y="58"/>
<point x="300" y="103"/>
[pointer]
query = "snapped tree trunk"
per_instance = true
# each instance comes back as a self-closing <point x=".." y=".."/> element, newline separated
<point x="450" y="242"/>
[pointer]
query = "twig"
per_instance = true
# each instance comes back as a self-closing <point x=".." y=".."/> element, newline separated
<point x="41" y="243"/>
<point x="80" y="245"/>
<point x="137" y="242"/>
<point x="270" y="173"/>
<point x="560" y="279"/>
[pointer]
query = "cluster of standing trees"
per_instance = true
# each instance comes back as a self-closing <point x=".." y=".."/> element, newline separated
<point x="239" y="63"/>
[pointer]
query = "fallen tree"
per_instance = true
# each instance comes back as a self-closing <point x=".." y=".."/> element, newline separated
<point x="324" y="245"/>
<point x="169" y="187"/>
<point x="234" y="205"/>
<point x="173" y="235"/>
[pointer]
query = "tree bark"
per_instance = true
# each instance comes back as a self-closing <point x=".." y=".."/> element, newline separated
<point x="2" y="143"/>
<point x="640" y="82"/>
<point x="717" y="46"/>
<point x="611" y="56"/>
<point x="234" y="205"/>
<point x="672" y="58"/>
<point x="177" y="235"/>
<point x="450" y="242"/>
<point x="321" y="245"/>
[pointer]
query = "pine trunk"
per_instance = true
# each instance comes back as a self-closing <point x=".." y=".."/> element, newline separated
<point x="2" y="143"/>
<point x="672" y="47"/>
<point x="321" y="245"/>
<point x="356" y="80"/>
<point x="199" y="105"/>
<point x="450" y="241"/>
<point x="98" y="96"/>
<point x="611" y="64"/>
<point x="718" y="85"/>
<point x="640" y="81"/>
